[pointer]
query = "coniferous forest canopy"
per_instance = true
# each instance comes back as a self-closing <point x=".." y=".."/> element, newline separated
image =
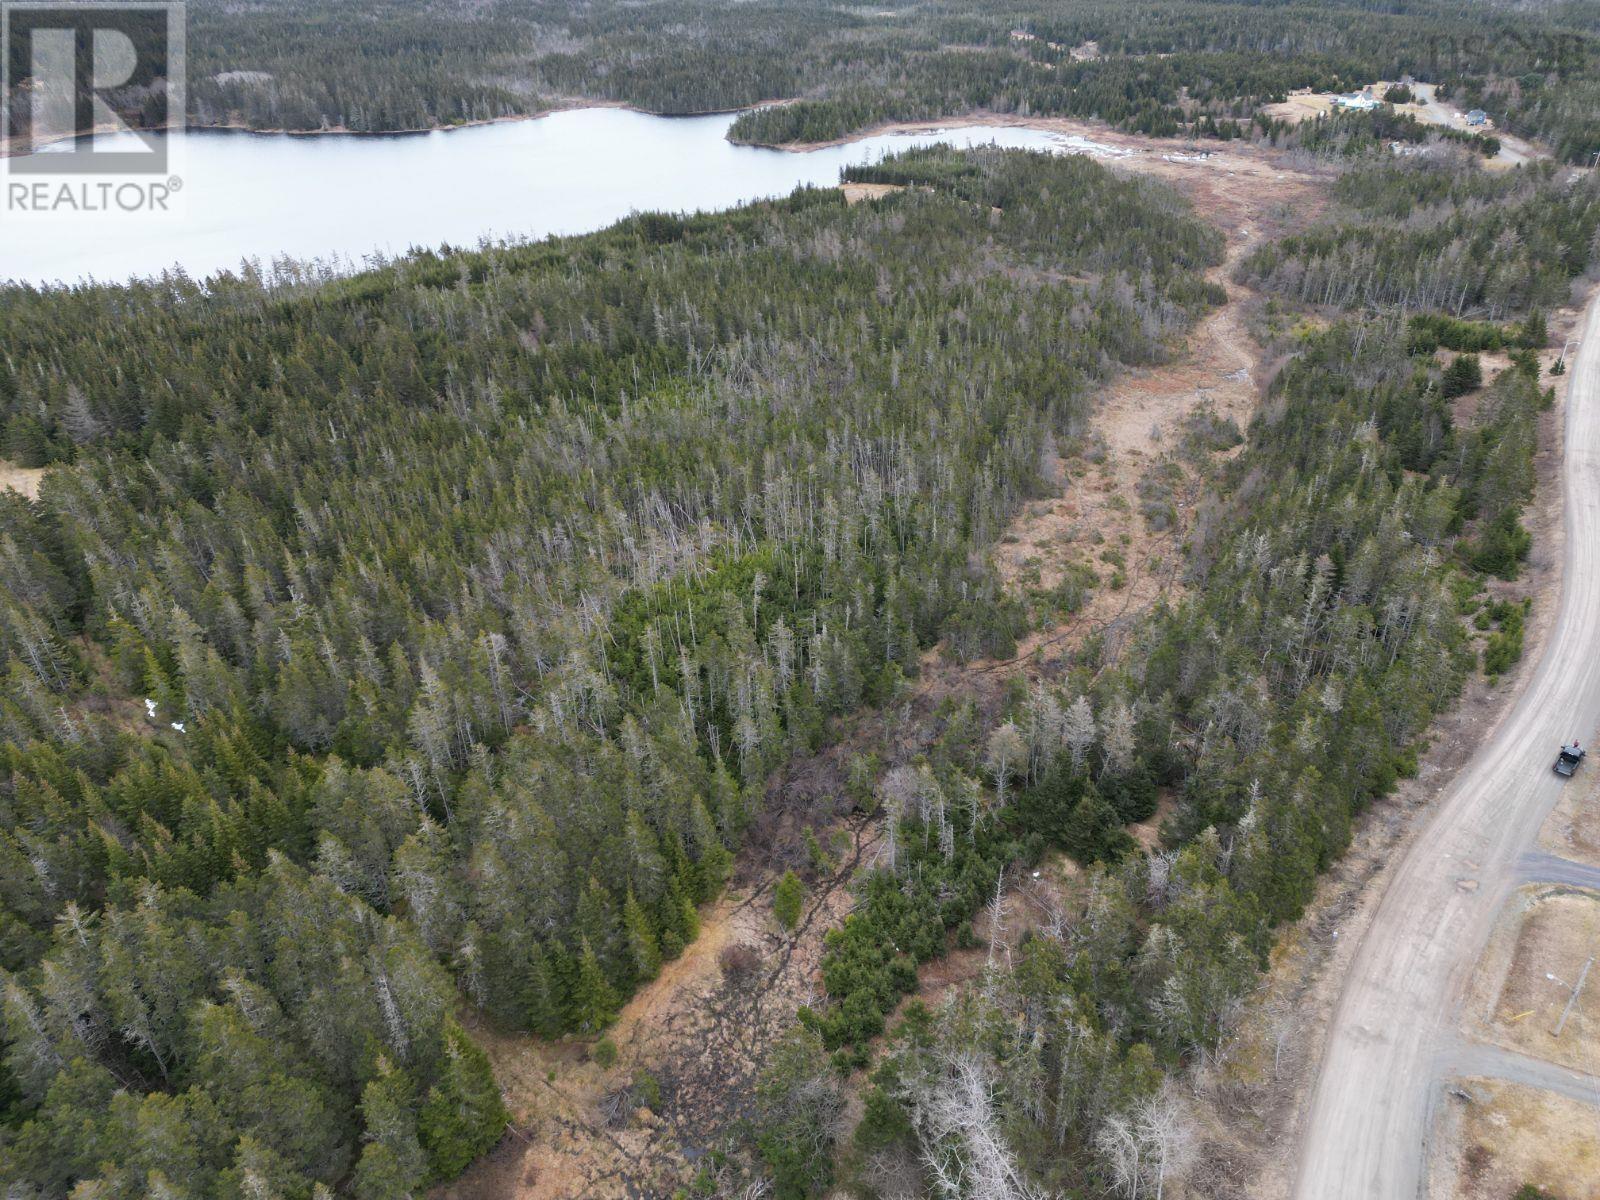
<point x="1320" y="631"/>
<point x="390" y="649"/>
<point x="438" y="625"/>
<point x="384" y="644"/>
<point x="1181" y="66"/>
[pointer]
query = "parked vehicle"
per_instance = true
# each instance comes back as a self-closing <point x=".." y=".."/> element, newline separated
<point x="1568" y="759"/>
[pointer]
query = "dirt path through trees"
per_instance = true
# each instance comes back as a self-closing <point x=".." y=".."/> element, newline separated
<point x="1129" y="497"/>
<point x="698" y="1034"/>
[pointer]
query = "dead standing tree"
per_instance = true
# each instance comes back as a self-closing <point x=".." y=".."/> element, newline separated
<point x="1149" y="1145"/>
<point x="953" y="1108"/>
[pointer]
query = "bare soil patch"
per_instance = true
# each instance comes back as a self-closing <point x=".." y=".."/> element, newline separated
<point x="21" y="479"/>
<point x="855" y="193"/>
<point x="1507" y="1135"/>
<point x="1301" y="106"/>
<point x="1148" y="833"/>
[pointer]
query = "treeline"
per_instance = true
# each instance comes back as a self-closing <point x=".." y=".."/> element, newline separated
<point x="466" y="605"/>
<point x="1435" y="235"/>
<point x="1204" y="94"/>
<point x="1195" y="67"/>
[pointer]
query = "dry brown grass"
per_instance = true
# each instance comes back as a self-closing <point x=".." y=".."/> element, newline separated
<point x="702" y="1032"/>
<point x="1573" y="830"/>
<point x="1510" y="1135"/>
<point x="1560" y="931"/>
<point x="1148" y="833"/>
<point x="1303" y="105"/>
<point x="855" y="193"/>
<point x="1095" y="520"/>
<point x="21" y="479"/>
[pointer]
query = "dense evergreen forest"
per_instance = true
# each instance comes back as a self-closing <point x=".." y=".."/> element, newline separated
<point x="386" y="647"/>
<point x="1441" y="237"/>
<point x="1320" y="634"/>
<point x="1322" y="626"/>
<point x="1198" y="67"/>
<point x="439" y="625"/>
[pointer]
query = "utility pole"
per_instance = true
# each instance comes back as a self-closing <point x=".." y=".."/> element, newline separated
<point x="1573" y="999"/>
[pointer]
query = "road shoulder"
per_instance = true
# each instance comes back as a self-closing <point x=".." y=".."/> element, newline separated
<point x="1255" y="1096"/>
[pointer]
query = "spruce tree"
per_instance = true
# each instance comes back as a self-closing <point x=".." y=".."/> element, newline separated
<point x="462" y="1115"/>
<point x="1089" y="834"/>
<point x="644" y="954"/>
<point x="544" y="1005"/>
<point x="392" y="1163"/>
<point x="593" y="1003"/>
<point x="788" y="896"/>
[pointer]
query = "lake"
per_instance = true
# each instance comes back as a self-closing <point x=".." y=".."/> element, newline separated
<point x="346" y="198"/>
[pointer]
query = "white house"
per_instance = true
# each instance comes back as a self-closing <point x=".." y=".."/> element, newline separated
<point x="1356" y="101"/>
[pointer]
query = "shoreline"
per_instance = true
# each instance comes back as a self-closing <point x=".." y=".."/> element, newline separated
<point x="1514" y="151"/>
<point x="1097" y="131"/>
<point x="1083" y="127"/>
<point x="1522" y="150"/>
<point x="1069" y="125"/>
<point x="562" y="105"/>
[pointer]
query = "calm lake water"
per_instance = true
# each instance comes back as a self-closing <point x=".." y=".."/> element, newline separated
<point x="261" y="196"/>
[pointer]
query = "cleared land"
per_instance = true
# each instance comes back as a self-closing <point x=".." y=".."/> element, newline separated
<point x="1559" y="933"/>
<point x="855" y="193"/>
<point x="1573" y="830"/>
<point x="1508" y="1135"/>
<point x="1427" y="108"/>
<point x="21" y="479"/>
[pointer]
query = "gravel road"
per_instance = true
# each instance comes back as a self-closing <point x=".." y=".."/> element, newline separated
<point x="1470" y="1059"/>
<point x="1372" y="1106"/>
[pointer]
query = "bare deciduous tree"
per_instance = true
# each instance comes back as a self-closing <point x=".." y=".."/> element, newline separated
<point x="953" y="1108"/>
<point x="1117" y="739"/>
<point x="1149" y="1145"/>
<point x="1078" y="730"/>
<point x="1007" y="751"/>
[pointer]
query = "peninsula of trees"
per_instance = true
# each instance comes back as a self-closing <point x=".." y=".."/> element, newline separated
<point x="1195" y="67"/>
